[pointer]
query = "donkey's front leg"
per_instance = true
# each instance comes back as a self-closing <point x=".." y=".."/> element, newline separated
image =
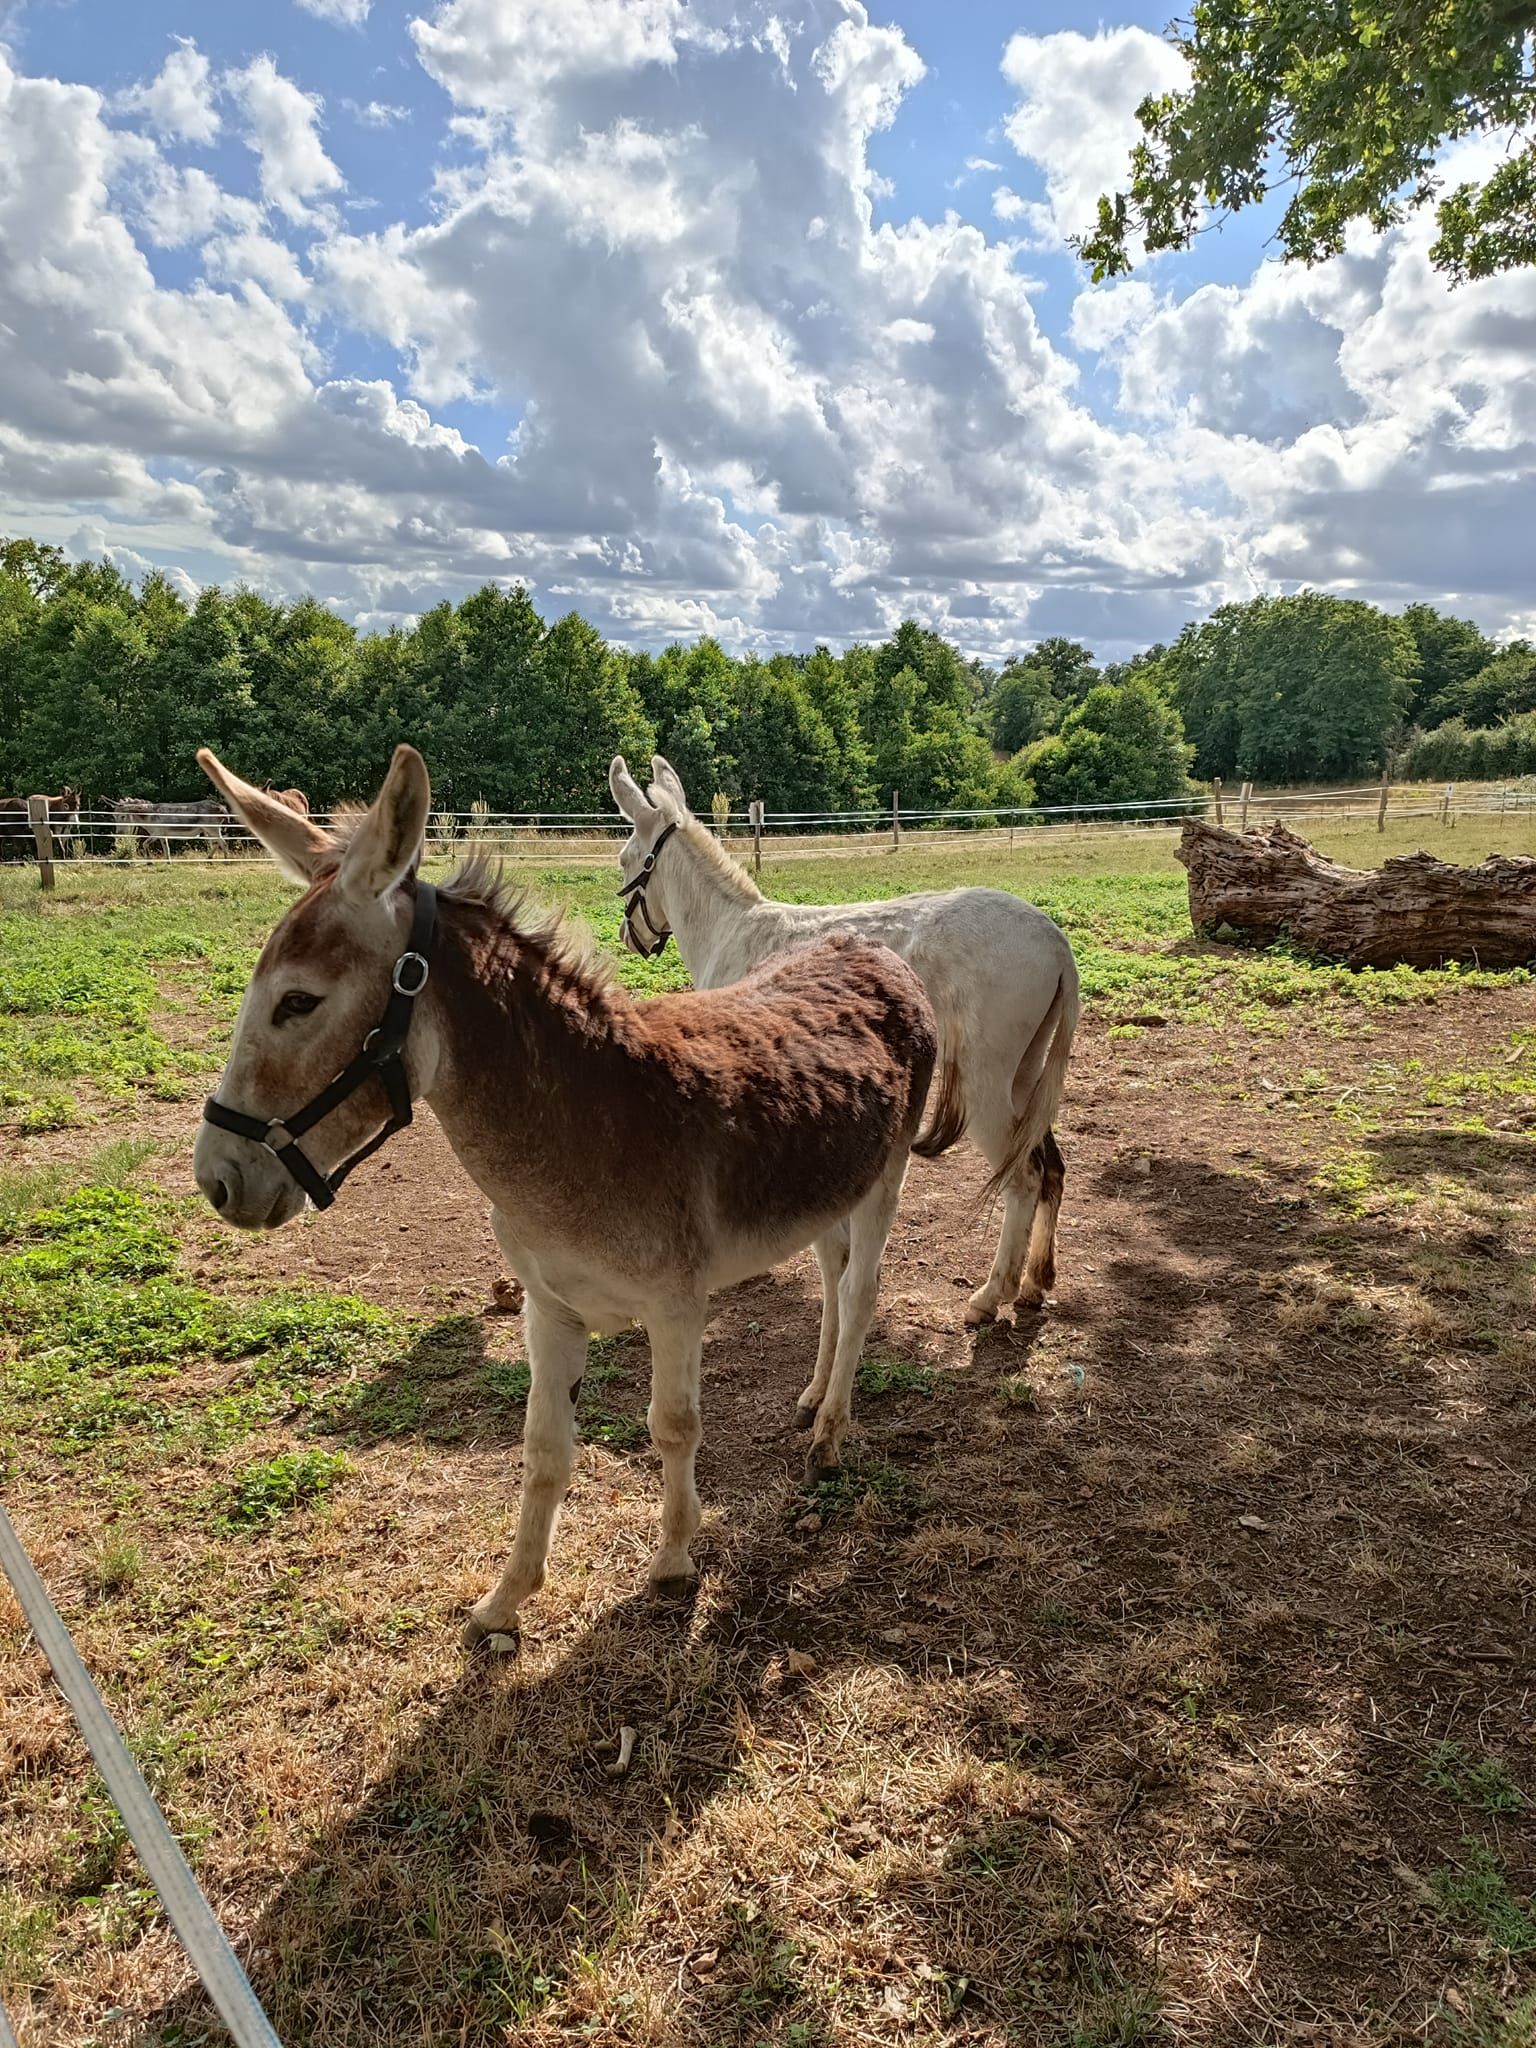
<point x="557" y="1358"/>
<point x="676" y="1428"/>
<point x="832" y="1256"/>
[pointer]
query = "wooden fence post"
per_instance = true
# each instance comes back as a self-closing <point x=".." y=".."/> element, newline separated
<point x="755" y="812"/>
<point x="42" y="832"/>
<point x="1381" y="808"/>
<point x="1445" y="807"/>
<point x="1216" y="793"/>
<point x="1247" y="792"/>
<point x="895" y="821"/>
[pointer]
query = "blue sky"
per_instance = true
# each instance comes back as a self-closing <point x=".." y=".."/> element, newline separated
<point x="703" y="316"/>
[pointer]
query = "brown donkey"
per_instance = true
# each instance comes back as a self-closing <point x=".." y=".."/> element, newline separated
<point x="637" y="1155"/>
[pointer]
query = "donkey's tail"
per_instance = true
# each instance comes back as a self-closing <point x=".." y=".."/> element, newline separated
<point x="1046" y="1058"/>
<point x="946" y="1125"/>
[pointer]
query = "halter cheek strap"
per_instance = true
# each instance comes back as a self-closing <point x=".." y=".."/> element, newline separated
<point x="633" y="893"/>
<point x="381" y="1055"/>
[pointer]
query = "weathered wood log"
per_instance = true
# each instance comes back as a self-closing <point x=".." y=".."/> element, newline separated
<point x="1414" y="911"/>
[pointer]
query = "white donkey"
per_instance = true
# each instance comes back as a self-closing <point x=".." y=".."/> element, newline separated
<point x="999" y="973"/>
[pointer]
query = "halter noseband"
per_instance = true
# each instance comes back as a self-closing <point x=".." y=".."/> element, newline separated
<point x="633" y="893"/>
<point x="381" y="1054"/>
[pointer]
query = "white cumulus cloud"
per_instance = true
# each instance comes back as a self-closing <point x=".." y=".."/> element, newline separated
<point x="282" y="125"/>
<point x="1076" y="115"/>
<point x="502" y="54"/>
<point x="180" y="99"/>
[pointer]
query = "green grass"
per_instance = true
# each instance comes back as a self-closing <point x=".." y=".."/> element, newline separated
<point x="1486" y="2021"/>
<point x="883" y="1373"/>
<point x="1125" y="2017"/>
<point x="118" y="1565"/>
<point x="270" y="1487"/>
<point x="196" y="1437"/>
<point x="509" y="1379"/>
<point x="614" y="1431"/>
<point x="129" y="990"/>
<point x="24" y="1189"/>
<point x="26" y="1928"/>
<point x="1476" y="1893"/>
<point x="608" y="1359"/>
<point x="1481" y="1781"/>
<point x="99" y="1328"/>
<point x="864" y="1483"/>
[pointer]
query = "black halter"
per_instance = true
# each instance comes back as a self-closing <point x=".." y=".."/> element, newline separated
<point x="634" y="894"/>
<point x="381" y="1055"/>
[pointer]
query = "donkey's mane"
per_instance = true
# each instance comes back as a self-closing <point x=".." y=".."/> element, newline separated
<point x="508" y="926"/>
<point x="730" y="874"/>
<point x="565" y="957"/>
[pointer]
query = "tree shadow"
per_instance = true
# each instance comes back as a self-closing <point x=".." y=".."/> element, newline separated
<point x="1493" y="1162"/>
<point x="1329" y="1412"/>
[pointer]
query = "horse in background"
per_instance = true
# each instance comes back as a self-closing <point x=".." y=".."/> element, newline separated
<point x="17" y="839"/>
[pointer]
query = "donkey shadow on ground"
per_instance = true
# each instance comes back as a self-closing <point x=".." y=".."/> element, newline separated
<point x="498" y="1864"/>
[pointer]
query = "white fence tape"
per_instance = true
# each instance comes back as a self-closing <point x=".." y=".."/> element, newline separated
<point x="188" y="1911"/>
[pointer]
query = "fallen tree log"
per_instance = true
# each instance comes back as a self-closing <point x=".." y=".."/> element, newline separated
<point x="1414" y="911"/>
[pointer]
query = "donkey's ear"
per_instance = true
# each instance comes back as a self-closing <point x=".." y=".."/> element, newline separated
<point x="627" y="793"/>
<point x="387" y="843"/>
<point x="297" y="845"/>
<point x="667" y="778"/>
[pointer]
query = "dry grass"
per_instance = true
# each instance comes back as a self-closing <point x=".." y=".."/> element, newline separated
<point x="1163" y="1676"/>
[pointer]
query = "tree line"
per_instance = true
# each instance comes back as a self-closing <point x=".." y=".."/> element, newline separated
<point x="112" y="686"/>
<point x="1313" y="688"/>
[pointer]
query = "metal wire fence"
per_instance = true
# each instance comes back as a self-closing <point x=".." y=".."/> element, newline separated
<point x="103" y="837"/>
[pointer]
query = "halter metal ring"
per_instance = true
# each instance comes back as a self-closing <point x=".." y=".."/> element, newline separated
<point x="406" y="960"/>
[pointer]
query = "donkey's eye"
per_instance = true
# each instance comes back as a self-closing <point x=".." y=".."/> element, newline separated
<point x="297" y="1003"/>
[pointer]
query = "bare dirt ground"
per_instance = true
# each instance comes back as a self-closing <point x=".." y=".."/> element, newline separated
<point x="1135" y="1689"/>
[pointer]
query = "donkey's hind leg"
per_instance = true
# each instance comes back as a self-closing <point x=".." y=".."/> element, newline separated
<point x="675" y="1426"/>
<point x="1040" y="1267"/>
<point x="1020" y="1195"/>
<point x="557" y="1358"/>
<point x="869" y="1225"/>
<point x="831" y="1251"/>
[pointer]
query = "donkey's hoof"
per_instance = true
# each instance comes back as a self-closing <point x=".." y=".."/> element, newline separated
<point x="480" y="1639"/>
<point x="674" y="1587"/>
<point x="1029" y="1300"/>
<point x="805" y="1415"/>
<point x="979" y="1312"/>
<point x="822" y="1463"/>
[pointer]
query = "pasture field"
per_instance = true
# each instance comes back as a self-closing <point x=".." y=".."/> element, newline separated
<point x="1159" y="1671"/>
